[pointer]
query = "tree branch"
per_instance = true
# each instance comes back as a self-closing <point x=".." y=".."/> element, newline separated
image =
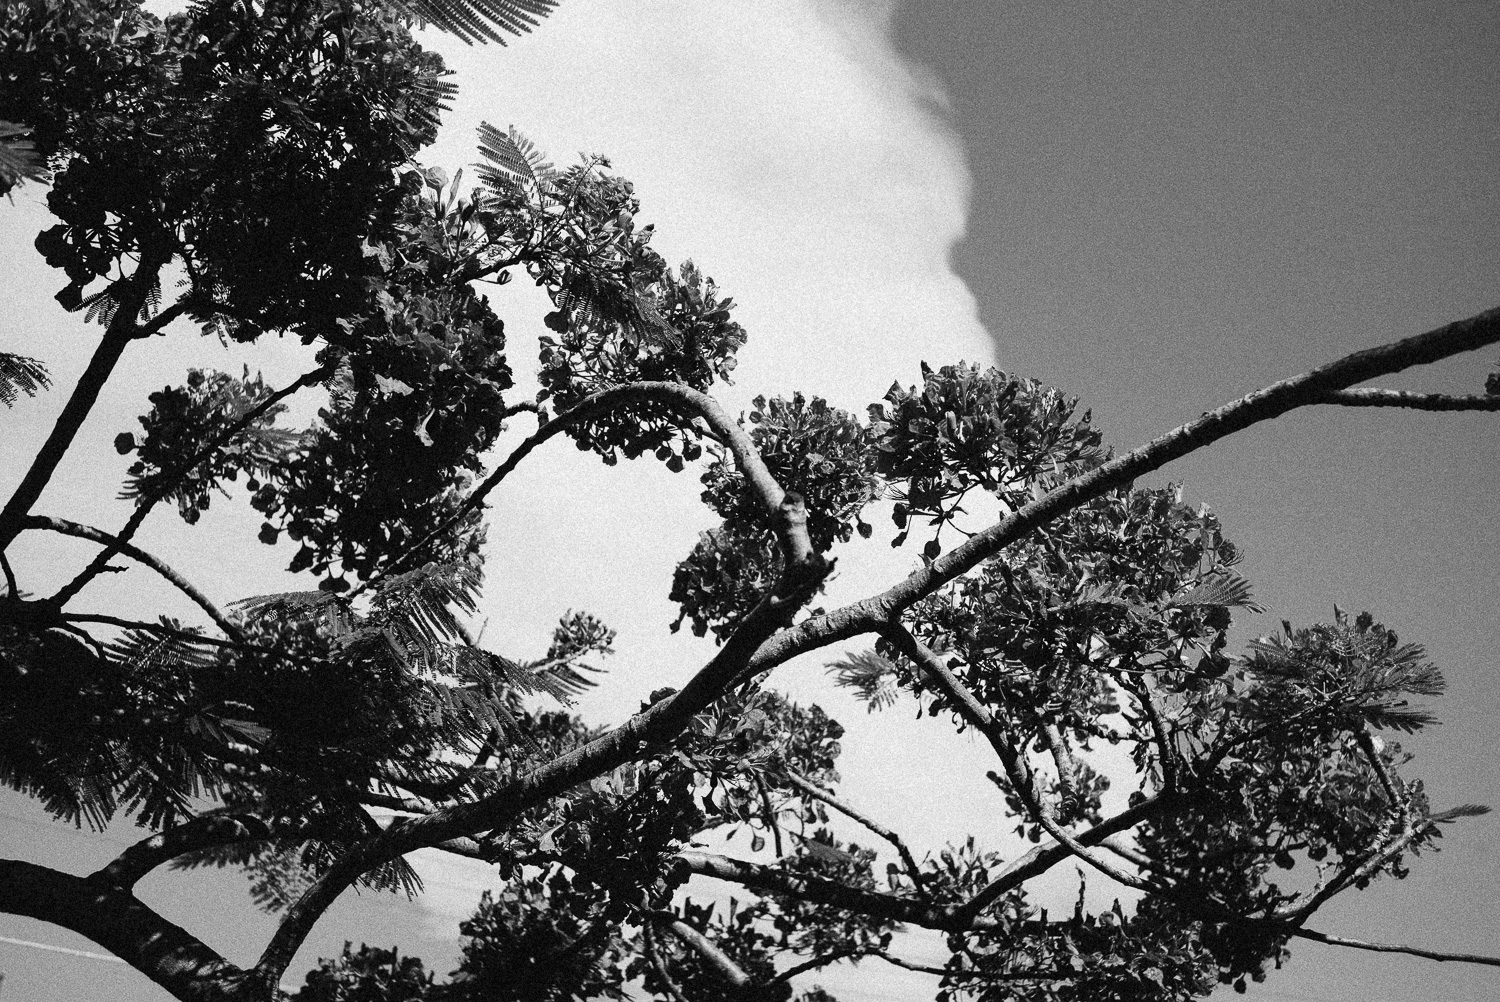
<point x="120" y="332"/>
<point x="119" y="922"/>
<point x="1372" y="397"/>
<point x="731" y="973"/>
<point x="1011" y="758"/>
<point x="1465" y="958"/>
<point x="821" y="891"/>
<point x="192" y="638"/>
<point x="764" y="639"/>
<point x="659" y="966"/>
<point x="146" y="503"/>
<point x="205" y="832"/>
<point x="795" y="543"/>
<point x="115" y="544"/>
<point x="1142" y="693"/>
<point x="658" y="724"/>
<point x="812" y="789"/>
<point x="873" y="613"/>
<point x="1047" y="855"/>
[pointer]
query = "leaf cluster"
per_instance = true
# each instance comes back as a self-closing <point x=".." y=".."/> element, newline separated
<point x="964" y="429"/>
<point x="185" y="453"/>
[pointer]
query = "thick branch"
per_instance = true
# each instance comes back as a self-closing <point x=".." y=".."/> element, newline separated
<point x="117" y="921"/>
<point x="654" y="726"/>
<point x="114" y="544"/>
<point x="1415" y="951"/>
<point x="732" y="973"/>
<point x="872" y="613"/>
<point x="1404" y="398"/>
<point x="207" y="832"/>
<point x="120" y="332"/>
<point x="660" y="966"/>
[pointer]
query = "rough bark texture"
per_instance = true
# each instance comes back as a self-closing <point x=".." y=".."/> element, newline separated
<point x="115" y="919"/>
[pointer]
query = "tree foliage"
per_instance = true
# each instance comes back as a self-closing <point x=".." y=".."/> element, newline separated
<point x="263" y="155"/>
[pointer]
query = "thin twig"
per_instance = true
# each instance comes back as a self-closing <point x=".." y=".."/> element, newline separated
<point x="699" y="405"/>
<point x="147" y="502"/>
<point x="818" y="792"/>
<point x="659" y="966"/>
<point x="1142" y="694"/>
<point x="190" y="637"/>
<point x="1017" y="770"/>
<point x="1415" y="951"/>
<point x="114" y="544"/>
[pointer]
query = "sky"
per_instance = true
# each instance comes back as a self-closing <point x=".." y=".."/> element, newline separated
<point x="1157" y="207"/>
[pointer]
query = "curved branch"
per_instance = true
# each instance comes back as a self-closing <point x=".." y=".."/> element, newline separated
<point x="114" y="544"/>
<point x="697" y="404"/>
<point x="1415" y="951"/>
<point x="118" y="921"/>
<point x="1372" y="397"/>
<point x="812" y="789"/>
<point x="207" y="832"/>
<point x="146" y="503"/>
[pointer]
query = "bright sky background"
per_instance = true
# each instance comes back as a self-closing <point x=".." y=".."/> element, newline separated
<point x="1158" y="210"/>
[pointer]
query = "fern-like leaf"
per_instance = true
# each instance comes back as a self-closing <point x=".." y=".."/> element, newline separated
<point x="326" y="610"/>
<point x="871" y="676"/>
<point x="495" y="672"/>
<point x="1461" y="811"/>
<point x="1224" y="589"/>
<point x="478" y="20"/>
<point x="19" y="374"/>
<point x="513" y="165"/>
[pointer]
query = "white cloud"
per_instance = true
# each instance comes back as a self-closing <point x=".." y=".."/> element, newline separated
<point x="785" y="147"/>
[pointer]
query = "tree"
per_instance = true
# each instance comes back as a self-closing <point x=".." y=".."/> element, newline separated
<point x="264" y="156"/>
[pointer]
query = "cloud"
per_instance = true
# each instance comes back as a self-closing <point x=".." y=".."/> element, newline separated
<point x="785" y="147"/>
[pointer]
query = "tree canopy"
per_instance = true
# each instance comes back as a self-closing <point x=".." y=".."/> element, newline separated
<point x="260" y="158"/>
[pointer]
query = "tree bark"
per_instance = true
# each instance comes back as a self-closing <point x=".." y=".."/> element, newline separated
<point x="118" y="921"/>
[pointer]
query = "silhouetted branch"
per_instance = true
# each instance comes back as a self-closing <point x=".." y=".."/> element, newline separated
<point x="147" y="502"/>
<point x="114" y="544"/>
<point x="1416" y="401"/>
<point x="1415" y="951"/>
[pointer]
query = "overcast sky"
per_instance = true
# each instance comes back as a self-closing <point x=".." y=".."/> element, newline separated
<point x="1157" y="207"/>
